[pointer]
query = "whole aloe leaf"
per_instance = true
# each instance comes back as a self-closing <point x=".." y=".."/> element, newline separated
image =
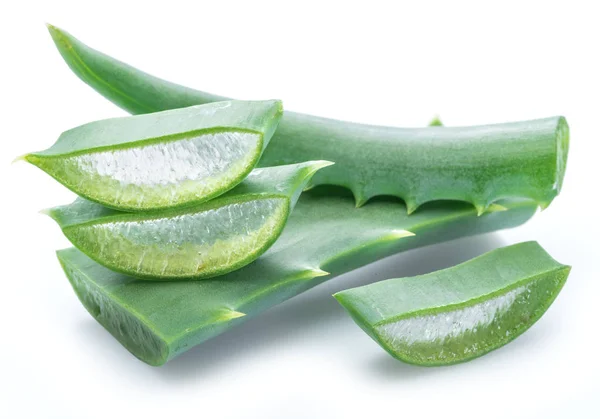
<point x="325" y="236"/>
<point x="460" y="313"/>
<point x="479" y="164"/>
<point x="165" y="159"/>
<point x="196" y="242"/>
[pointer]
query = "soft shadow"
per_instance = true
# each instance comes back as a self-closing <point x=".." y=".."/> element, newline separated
<point x="317" y="309"/>
<point x="386" y="367"/>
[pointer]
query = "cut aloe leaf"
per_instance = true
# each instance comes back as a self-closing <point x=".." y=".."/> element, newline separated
<point x="165" y="159"/>
<point x="325" y="236"/>
<point x="479" y="164"/>
<point x="460" y="313"/>
<point x="195" y="242"/>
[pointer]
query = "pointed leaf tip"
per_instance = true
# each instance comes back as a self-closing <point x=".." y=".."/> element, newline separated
<point x="481" y="209"/>
<point x="55" y="32"/>
<point x="436" y="122"/>
<point x="228" y="314"/>
<point x="544" y="204"/>
<point x="311" y="273"/>
<point x="29" y="158"/>
<point x="46" y="211"/>
<point x="22" y="157"/>
<point x="401" y="233"/>
<point x="411" y="206"/>
<point x="359" y="202"/>
<point x="318" y="165"/>
<point x="397" y="234"/>
<point x="318" y="272"/>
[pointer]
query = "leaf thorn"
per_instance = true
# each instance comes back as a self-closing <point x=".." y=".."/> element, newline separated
<point x="46" y="211"/>
<point x="22" y="157"/>
<point x="398" y="234"/>
<point x="228" y="314"/>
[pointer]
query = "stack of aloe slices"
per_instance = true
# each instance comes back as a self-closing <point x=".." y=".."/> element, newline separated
<point x="191" y="216"/>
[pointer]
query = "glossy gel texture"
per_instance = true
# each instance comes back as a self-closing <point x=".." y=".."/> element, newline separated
<point x="480" y="164"/>
<point x="162" y="160"/>
<point x="195" y="242"/>
<point x="324" y="237"/>
<point x="459" y="313"/>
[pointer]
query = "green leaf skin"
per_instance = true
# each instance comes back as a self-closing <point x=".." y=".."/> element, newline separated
<point x="479" y="164"/>
<point x="197" y="242"/>
<point x="460" y="313"/>
<point x="436" y="122"/>
<point x="324" y="237"/>
<point x="165" y="159"/>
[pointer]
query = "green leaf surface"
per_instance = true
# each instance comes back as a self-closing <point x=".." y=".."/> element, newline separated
<point x="325" y="236"/>
<point x="165" y="159"/>
<point x="460" y="313"/>
<point x="479" y="164"/>
<point x="197" y="242"/>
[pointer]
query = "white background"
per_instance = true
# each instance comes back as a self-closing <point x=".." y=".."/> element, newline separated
<point x="393" y="64"/>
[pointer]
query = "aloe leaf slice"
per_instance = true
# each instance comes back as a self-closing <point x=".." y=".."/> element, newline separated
<point x="196" y="242"/>
<point x="165" y="159"/>
<point x="480" y="164"/>
<point x="324" y="237"/>
<point x="460" y="313"/>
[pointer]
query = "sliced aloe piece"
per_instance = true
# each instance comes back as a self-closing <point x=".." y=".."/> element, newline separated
<point x="457" y="314"/>
<point x="325" y="236"/>
<point x="480" y="164"/>
<point x="195" y="242"/>
<point x="165" y="159"/>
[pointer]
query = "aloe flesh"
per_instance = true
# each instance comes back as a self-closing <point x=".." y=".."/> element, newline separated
<point x="479" y="164"/>
<point x="460" y="313"/>
<point x="195" y="242"/>
<point x="165" y="159"/>
<point x="325" y="236"/>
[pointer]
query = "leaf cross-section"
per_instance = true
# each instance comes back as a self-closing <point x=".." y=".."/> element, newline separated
<point x="462" y="312"/>
<point x="479" y="164"/>
<point x="195" y="242"/>
<point x="164" y="159"/>
<point x="324" y="237"/>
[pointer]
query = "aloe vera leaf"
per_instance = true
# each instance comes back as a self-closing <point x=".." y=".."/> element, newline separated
<point x="324" y="237"/>
<point x="460" y="313"/>
<point x="480" y="164"/>
<point x="436" y="122"/>
<point x="165" y="159"/>
<point x="197" y="242"/>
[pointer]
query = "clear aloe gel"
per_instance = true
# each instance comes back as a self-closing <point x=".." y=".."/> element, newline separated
<point x="165" y="159"/>
<point x="324" y="237"/>
<point x="479" y="164"/>
<point x="460" y="313"/>
<point x="195" y="242"/>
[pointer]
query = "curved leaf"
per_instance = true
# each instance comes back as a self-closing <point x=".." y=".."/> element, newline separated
<point x="165" y="159"/>
<point x="325" y="236"/>
<point x="197" y="242"/>
<point x="479" y="164"/>
<point x="457" y="314"/>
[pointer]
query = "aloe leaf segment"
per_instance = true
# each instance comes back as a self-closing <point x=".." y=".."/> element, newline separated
<point x="195" y="242"/>
<point x="479" y="164"/>
<point x="460" y="313"/>
<point x="324" y="237"/>
<point x="165" y="159"/>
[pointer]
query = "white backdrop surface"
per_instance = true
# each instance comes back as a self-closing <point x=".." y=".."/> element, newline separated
<point x="395" y="63"/>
